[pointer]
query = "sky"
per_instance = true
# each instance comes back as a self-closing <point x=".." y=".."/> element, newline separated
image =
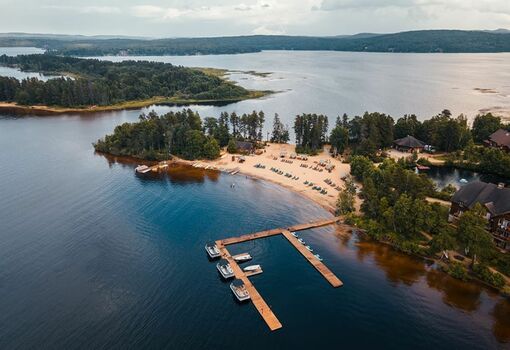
<point x="186" y="18"/>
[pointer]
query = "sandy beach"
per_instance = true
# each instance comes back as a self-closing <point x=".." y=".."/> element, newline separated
<point x="271" y="158"/>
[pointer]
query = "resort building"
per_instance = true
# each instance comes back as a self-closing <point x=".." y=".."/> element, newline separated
<point x="495" y="199"/>
<point x="245" y="147"/>
<point x="409" y="144"/>
<point x="499" y="139"/>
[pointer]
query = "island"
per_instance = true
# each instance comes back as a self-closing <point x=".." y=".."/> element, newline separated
<point x="91" y="85"/>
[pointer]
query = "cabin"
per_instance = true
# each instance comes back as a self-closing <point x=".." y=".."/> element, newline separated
<point x="245" y="147"/>
<point x="409" y="144"/>
<point x="499" y="139"/>
<point x="495" y="199"/>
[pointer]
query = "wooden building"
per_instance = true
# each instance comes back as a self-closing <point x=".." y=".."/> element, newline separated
<point x="409" y="144"/>
<point x="495" y="199"/>
<point x="499" y="139"/>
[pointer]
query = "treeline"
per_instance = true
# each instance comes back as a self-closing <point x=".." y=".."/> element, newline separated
<point x="396" y="211"/>
<point x="182" y="134"/>
<point x="413" y="41"/>
<point x="95" y="82"/>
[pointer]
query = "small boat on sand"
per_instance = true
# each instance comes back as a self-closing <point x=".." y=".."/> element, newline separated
<point x="142" y="169"/>
<point x="225" y="269"/>
<point x="212" y="250"/>
<point x="242" y="257"/>
<point x="239" y="290"/>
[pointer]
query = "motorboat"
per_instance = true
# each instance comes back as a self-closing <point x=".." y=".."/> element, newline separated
<point x="252" y="268"/>
<point x="239" y="290"/>
<point x="142" y="169"/>
<point x="309" y="248"/>
<point x="242" y="257"/>
<point x="301" y="240"/>
<point x="225" y="269"/>
<point x="318" y="257"/>
<point x="294" y="234"/>
<point x="212" y="250"/>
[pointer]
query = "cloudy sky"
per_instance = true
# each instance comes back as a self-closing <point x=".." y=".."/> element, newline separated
<point x="177" y="18"/>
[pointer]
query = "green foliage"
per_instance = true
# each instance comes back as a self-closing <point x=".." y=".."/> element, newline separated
<point x="211" y="149"/>
<point x="483" y="273"/>
<point x="360" y="166"/>
<point x="345" y="202"/>
<point x="407" y="125"/>
<point x="484" y="125"/>
<point x="472" y="235"/>
<point x="310" y="130"/>
<point x="458" y="271"/>
<point x="104" y="83"/>
<point x="232" y="146"/>
<point x="370" y="133"/>
<point x="446" y="133"/>
<point x="339" y="138"/>
<point x="280" y="132"/>
<point x="443" y="241"/>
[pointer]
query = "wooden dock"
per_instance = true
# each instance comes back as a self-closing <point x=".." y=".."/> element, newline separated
<point x="264" y="310"/>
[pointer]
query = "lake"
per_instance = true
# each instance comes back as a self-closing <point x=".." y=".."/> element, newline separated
<point x="94" y="256"/>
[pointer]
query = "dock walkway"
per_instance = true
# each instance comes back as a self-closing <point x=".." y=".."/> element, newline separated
<point x="264" y="310"/>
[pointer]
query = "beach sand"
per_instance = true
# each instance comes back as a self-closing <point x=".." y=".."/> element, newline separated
<point x="272" y="151"/>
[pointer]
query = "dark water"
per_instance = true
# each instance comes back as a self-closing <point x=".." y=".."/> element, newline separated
<point x="93" y="256"/>
<point x="444" y="176"/>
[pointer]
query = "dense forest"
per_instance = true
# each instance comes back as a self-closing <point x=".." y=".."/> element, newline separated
<point x="182" y="134"/>
<point x="94" y="82"/>
<point x="413" y="41"/>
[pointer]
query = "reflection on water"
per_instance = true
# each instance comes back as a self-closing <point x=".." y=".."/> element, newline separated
<point x="443" y="176"/>
<point x="402" y="268"/>
<point x="175" y="173"/>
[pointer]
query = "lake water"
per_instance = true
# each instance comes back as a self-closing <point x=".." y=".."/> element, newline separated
<point x="444" y="176"/>
<point x="93" y="256"/>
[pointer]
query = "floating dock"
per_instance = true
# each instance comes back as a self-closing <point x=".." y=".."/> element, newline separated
<point x="264" y="310"/>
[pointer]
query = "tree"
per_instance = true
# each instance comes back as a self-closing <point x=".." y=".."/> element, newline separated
<point x="472" y="235"/>
<point x="360" y="166"/>
<point x="484" y="125"/>
<point x="211" y="149"/>
<point x="443" y="241"/>
<point x="345" y="202"/>
<point x="339" y="138"/>
<point x="407" y="125"/>
<point x="280" y="132"/>
<point x="232" y="146"/>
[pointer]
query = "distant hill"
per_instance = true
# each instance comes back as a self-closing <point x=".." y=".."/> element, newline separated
<point x="413" y="41"/>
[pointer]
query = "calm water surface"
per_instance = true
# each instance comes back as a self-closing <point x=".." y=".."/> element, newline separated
<point x="93" y="256"/>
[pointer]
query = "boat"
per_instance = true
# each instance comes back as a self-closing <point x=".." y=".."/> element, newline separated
<point x="318" y="257"/>
<point x="463" y="181"/>
<point x="252" y="268"/>
<point x="212" y="250"/>
<point x="294" y="234"/>
<point x="142" y="169"/>
<point x="242" y="257"/>
<point x="301" y="240"/>
<point x="239" y="290"/>
<point x="225" y="269"/>
<point x="309" y="248"/>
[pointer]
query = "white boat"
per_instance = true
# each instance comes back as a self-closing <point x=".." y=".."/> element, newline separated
<point x="242" y="257"/>
<point x="225" y="269"/>
<point x="318" y="257"/>
<point x="142" y="169"/>
<point x="294" y="234"/>
<point x="301" y="240"/>
<point x="239" y="290"/>
<point x="252" y="268"/>
<point x="212" y="250"/>
<point x="463" y="181"/>
<point x="309" y="248"/>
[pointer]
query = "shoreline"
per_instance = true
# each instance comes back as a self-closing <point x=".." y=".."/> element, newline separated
<point x="128" y="105"/>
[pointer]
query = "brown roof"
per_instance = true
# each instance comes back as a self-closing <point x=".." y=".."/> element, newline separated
<point x="494" y="198"/>
<point x="501" y="137"/>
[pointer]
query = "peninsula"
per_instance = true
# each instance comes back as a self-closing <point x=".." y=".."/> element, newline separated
<point x="90" y="85"/>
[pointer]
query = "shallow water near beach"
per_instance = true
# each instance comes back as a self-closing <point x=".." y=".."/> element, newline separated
<point x="94" y="256"/>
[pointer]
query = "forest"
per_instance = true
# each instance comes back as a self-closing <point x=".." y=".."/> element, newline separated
<point x="413" y="41"/>
<point x="183" y="134"/>
<point x="92" y="82"/>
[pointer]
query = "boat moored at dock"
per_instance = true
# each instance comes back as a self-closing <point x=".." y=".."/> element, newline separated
<point x="212" y="250"/>
<point x="239" y="290"/>
<point x="225" y="269"/>
<point x="242" y="257"/>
